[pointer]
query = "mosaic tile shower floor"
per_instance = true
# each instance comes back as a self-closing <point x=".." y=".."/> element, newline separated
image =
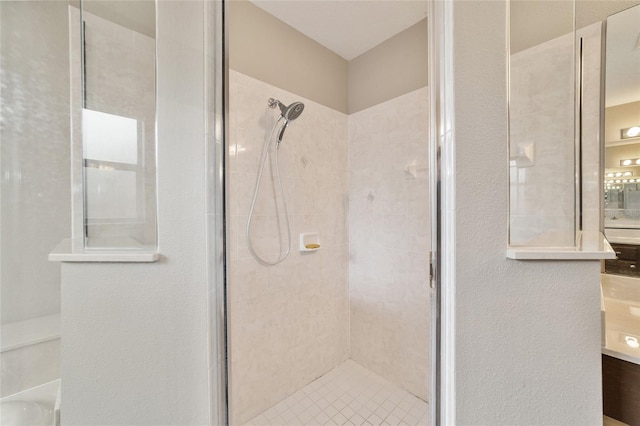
<point x="347" y="395"/>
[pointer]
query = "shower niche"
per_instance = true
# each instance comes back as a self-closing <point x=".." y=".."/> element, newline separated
<point x="555" y="156"/>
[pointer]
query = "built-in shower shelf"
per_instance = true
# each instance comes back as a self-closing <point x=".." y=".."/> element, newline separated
<point x="309" y="241"/>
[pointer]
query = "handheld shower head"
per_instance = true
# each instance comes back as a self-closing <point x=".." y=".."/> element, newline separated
<point x="290" y="112"/>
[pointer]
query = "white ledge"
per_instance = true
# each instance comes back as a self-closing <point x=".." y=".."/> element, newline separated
<point x="29" y="332"/>
<point x="591" y="246"/>
<point x="72" y="251"/>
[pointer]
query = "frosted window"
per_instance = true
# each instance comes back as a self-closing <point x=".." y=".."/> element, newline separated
<point x="109" y="137"/>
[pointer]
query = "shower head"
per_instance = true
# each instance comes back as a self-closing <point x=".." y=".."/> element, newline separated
<point x="290" y="112"/>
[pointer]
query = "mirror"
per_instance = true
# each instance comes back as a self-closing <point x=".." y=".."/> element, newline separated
<point x="622" y="121"/>
<point x="542" y="145"/>
<point x="114" y="51"/>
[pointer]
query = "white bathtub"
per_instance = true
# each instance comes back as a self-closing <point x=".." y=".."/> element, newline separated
<point x="621" y="300"/>
<point x="30" y="373"/>
<point x="38" y="406"/>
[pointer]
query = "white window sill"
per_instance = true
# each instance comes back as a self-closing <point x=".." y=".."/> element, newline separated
<point x="73" y="251"/>
<point x="592" y="246"/>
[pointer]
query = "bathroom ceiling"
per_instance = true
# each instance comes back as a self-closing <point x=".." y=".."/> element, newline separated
<point x="349" y="27"/>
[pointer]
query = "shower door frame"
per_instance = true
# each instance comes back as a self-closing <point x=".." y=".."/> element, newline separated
<point x="442" y="211"/>
<point x="216" y="61"/>
<point x="442" y="400"/>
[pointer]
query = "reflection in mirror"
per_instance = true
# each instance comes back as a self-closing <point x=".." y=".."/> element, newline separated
<point x="117" y="105"/>
<point x="541" y="123"/>
<point x="622" y="121"/>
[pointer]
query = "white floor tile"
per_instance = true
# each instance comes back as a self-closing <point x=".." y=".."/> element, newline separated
<point x="347" y="395"/>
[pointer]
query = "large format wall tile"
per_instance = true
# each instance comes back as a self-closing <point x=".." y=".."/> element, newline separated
<point x="389" y="238"/>
<point x="542" y="188"/>
<point x="289" y="323"/>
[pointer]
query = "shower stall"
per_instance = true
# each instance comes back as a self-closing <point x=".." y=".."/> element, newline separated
<point x="328" y="296"/>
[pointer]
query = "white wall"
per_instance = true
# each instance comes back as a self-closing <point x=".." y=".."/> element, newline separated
<point x="288" y="324"/>
<point x="34" y="110"/>
<point x="135" y="335"/>
<point x="527" y="333"/>
<point x="389" y="240"/>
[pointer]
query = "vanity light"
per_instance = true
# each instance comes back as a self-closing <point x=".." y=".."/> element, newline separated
<point x="631" y="132"/>
<point x="618" y="181"/>
<point x="638" y="161"/>
<point x="626" y="163"/>
<point x="618" y="174"/>
<point x="625" y="180"/>
<point x="609" y="174"/>
<point x="632" y="342"/>
<point x="628" y="174"/>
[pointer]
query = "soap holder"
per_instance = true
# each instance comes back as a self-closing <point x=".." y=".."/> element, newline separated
<point x="309" y="241"/>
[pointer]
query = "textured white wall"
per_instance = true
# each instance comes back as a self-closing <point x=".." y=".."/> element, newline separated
<point x="135" y="335"/>
<point x="389" y="240"/>
<point x="288" y="324"/>
<point x="527" y="333"/>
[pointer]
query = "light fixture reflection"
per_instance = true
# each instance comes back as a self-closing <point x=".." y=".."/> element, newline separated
<point x="632" y="342"/>
<point x="630" y="161"/>
<point x="631" y="132"/>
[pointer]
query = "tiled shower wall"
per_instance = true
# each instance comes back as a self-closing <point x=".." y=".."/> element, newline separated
<point x="389" y="237"/>
<point x="542" y="129"/>
<point x="542" y="145"/>
<point x="289" y="323"/>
